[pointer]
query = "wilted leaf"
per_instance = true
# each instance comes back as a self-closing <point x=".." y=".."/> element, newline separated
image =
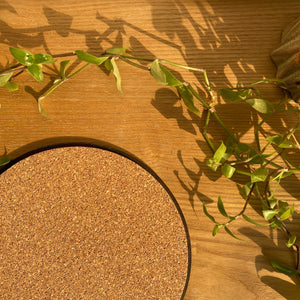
<point x="84" y="56"/>
<point x="22" y="56"/>
<point x="188" y="98"/>
<point x="11" y="86"/>
<point x="261" y="105"/>
<point x="116" y="74"/>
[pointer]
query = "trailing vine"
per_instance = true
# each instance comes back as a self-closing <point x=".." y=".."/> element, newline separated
<point x="264" y="165"/>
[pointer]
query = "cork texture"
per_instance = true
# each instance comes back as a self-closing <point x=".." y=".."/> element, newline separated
<point x="86" y="223"/>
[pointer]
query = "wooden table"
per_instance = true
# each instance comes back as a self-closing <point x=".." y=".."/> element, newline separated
<point x="232" y="40"/>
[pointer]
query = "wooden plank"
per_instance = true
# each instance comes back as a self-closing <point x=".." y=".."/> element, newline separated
<point x="231" y="41"/>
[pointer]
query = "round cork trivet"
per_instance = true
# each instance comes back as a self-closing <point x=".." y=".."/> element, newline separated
<point x="82" y="222"/>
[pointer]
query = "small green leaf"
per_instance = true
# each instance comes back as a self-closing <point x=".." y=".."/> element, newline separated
<point x="280" y="141"/>
<point x="4" y="160"/>
<point x="207" y="214"/>
<point x="116" y="74"/>
<point x="221" y="207"/>
<point x="171" y="80"/>
<point x="259" y="175"/>
<point x="188" y="98"/>
<point x="41" y="109"/>
<point x="42" y="58"/>
<point x="233" y="95"/>
<point x="261" y="105"/>
<point x="216" y="229"/>
<point x="269" y="214"/>
<point x="286" y="214"/>
<point x="116" y="51"/>
<point x="84" y="56"/>
<point x="11" y="86"/>
<point x="220" y="152"/>
<point x="284" y="269"/>
<point x="22" y="56"/>
<point x="291" y="241"/>
<point x="228" y="170"/>
<point x="230" y="233"/>
<point x="157" y="72"/>
<point x="4" y="79"/>
<point x="245" y="190"/>
<point x="253" y="222"/>
<point x="36" y="72"/>
<point x="62" y="69"/>
<point x="108" y="65"/>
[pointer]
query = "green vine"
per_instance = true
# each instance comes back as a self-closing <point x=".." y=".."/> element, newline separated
<point x="258" y="164"/>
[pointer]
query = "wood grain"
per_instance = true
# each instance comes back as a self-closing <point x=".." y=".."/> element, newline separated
<point x="231" y="41"/>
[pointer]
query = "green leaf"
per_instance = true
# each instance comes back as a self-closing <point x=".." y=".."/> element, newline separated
<point x="284" y="269"/>
<point x="259" y="175"/>
<point x="171" y="80"/>
<point x="207" y="214"/>
<point x="11" y="86"/>
<point x="108" y="65"/>
<point x="220" y="152"/>
<point x="269" y="214"/>
<point x="41" y="109"/>
<point x="157" y="72"/>
<point x="22" y="56"/>
<point x="221" y="207"/>
<point x="261" y="105"/>
<point x="4" y="160"/>
<point x="286" y="214"/>
<point x="228" y="170"/>
<point x="4" y="79"/>
<point x="245" y="190"/>
<point x="234" y="96"/>
<point x="280" y="141"/>
<point x="253" y="222"/>
<point x="84" y="56"/>
<point x="116" y="74"/>
<point x="116" y="51"/>
<point x="42" y="58"/>
<point x="291" y="241"/>
<point x="36" y="72"/>
<point x="62" y="69"/>
<point x="216" y="229"/>
<point x="188" y="98"/>
<point x="229" y="232"/>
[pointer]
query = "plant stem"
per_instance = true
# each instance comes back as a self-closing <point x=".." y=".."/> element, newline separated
<point x="133" y="64"/>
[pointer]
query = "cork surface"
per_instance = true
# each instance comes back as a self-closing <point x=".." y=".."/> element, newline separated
<point x="87" y="223"/>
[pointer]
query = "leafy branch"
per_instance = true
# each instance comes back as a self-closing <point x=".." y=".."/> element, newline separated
<point x="258" y="164"/>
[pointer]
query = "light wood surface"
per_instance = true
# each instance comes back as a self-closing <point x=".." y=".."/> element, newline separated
<point x="232" y="40"/>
